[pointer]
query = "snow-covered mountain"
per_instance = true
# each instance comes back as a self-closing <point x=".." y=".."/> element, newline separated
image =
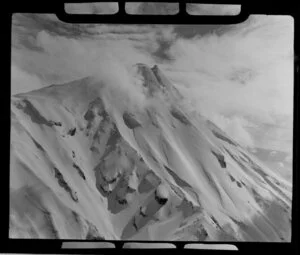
<point x="84" y="166"/>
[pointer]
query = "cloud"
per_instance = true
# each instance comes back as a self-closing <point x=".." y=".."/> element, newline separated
<point x="247" y="72"/>
<point x="108" y="55"/>
<point x="57" y="58"/>
<point x="63" y="59"/>
<point x="289" y="158"/>
<point x="273" y="137"/>
<point x="235" y="127"/>
<point x="261" y="59"/>
<point x="22" y="81"/>
<point x="243" y="74"/>
<point x="236" y="130"/>
<point x="253" y="150"/>
<point x="122" y="89"/>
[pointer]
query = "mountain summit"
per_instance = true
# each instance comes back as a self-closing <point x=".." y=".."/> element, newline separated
<point x="85" y="168"/>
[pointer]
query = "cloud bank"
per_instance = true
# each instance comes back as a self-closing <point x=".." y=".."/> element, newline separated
<point x="240" y="76"/>
<point x="22" y="81"/>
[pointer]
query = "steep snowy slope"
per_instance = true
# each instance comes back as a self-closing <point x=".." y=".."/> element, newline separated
<point x="84" y="165"/>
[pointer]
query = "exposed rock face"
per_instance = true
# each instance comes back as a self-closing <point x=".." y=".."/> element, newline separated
<point x="130" y="120"/>
<point x="150" y="80"/>
<point x="72" y="131"/>
<point x="180" y="116"/>
<point x="77" y="172"/>
<point x="161" y="78"/>
<point x="64" y="184"/>
<point x="161" y="195"/>
<point x="95" y="111"/>
<point x="80" y="172"/>
<point x="220" y="158"/>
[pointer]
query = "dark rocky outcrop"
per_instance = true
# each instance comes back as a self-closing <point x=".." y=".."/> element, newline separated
<point x="72" y="131"/>
<point x="180" y="116"/>
<point x="219" y="133"/>
<point x="177" y="179"/>
<point x="130" y="120"/>
<point x="220" y="158"/>
<point x="160" y="200"/>
<point x="64" y="184"/>
<point x="150" y="80"/>
<point x="55" y="123"/>
<point x="142" y="212"/>
<point x="231" y="178"/>
<point x="95" y="108"/>
<point x="80" y="172"/>
<point x="38" y="145"/>
<point x="34" y="114"/>
<point x="112" y="142"/>
<point x="148" y="182"/>
<point x="223" y="137"/>
<point x="122" y="201"/>
<point x="93" y="233"/>
<point x="161" y="78"/>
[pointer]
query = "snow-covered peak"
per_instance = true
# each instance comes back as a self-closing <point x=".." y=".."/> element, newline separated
<point x="87" y="156"/>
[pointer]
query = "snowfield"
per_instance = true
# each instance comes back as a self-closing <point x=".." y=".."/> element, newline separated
<point x="87" y="166"/>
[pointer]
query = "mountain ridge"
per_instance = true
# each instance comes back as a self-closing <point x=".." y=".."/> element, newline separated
<point x="148" y="173"/>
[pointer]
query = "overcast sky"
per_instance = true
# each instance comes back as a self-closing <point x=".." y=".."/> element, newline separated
<point x="240" y="76"/>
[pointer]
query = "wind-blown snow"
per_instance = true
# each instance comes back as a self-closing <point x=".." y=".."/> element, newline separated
<point x="85" y="164"/>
